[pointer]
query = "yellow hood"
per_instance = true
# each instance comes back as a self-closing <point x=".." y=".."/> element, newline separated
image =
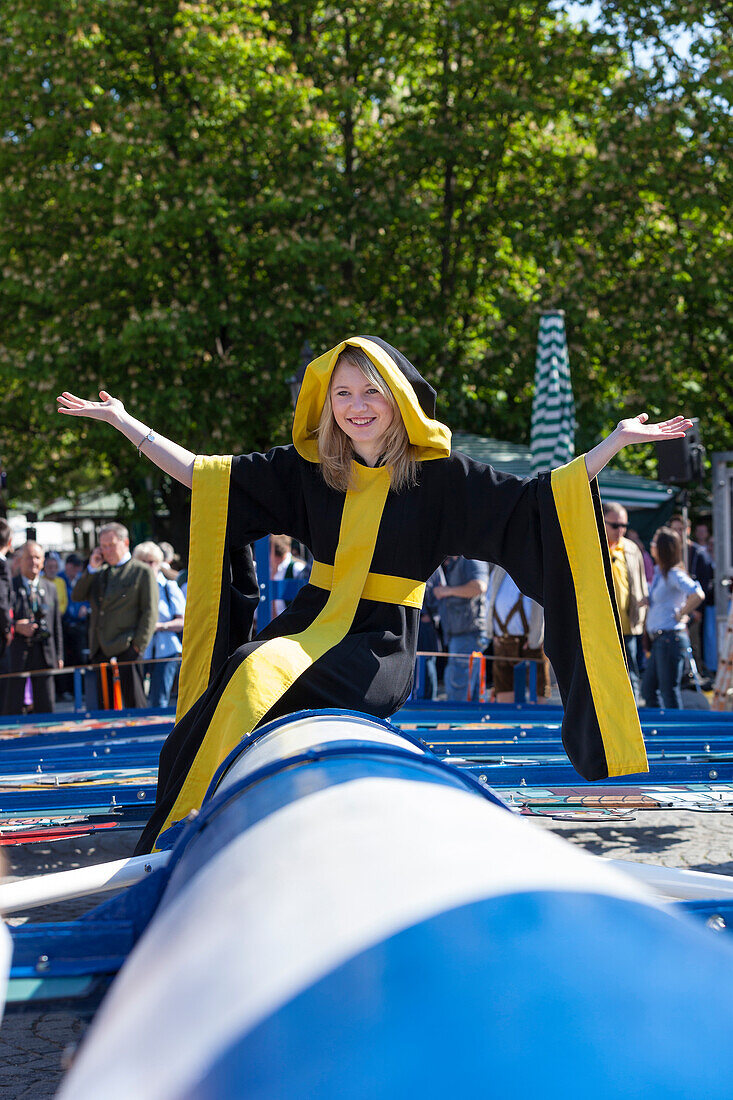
<point x="414" y="396"/>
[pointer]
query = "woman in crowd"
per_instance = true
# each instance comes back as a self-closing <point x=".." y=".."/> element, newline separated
<point x="371" y="487"/>
<point x="165" y="645"/>
<point x="673" y="596"/>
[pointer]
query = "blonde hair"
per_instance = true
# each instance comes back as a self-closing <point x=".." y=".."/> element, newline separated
<point x="335" y="449"/>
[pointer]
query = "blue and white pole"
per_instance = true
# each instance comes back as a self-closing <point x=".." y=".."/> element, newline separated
<point x="350" y="918"/>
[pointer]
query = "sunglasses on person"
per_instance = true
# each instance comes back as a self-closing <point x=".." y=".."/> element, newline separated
<point x="618" y="526"/>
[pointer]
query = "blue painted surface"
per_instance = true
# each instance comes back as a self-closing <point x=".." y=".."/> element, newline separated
<point x="249" y="739"/>
<point x="233" y="811"/>
<point x="536" y="994"/>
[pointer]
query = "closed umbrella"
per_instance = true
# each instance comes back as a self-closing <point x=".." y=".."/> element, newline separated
<point x="553" y="410"/>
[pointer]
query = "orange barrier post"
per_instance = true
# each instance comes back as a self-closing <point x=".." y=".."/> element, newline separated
<point x="116" y="686"/>
<point x="103" y="672"/>
<point x="482" y="676"/>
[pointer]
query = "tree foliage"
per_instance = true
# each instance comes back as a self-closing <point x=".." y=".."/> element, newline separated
<point x="194" y="189"/>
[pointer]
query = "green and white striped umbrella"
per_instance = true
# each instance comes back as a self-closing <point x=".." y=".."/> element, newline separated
<point x="553" y="410"/>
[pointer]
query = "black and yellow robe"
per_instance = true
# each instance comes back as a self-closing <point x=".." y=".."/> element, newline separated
<point x="348" y="639"/>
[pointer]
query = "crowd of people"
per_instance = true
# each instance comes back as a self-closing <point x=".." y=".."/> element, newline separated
<point x="126" y="608"/>
<point x="666" y="602"/>
<point x="119" y="610"/>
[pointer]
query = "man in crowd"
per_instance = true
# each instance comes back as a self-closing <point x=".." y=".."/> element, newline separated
<point x="283" y="567"/>
<point x="75" y="620"/>
<point x="51" y="571"/>
<point x="37" y="644"/>
<point x="6" y="607"/>
<point x="629" y="582"/>
<point x="123" y="594"/>
<point x="702" y="533"/>
<point x="518" y="627"/>
<point x="463" y="621"/>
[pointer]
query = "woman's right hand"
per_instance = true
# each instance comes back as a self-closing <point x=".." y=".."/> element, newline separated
<point x="106" y="409"/>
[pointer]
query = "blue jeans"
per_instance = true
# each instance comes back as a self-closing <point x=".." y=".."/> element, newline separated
<point x="427" y="639"/>
<point x="456" y="670"/>
<point x="631" y="645"/>
<point x="709" y="639"/>
<point x="162" y="675"/>
<point x="663" y="673"/>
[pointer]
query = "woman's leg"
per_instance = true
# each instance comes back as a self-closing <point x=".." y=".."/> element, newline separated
<point x="710" y="639"/>
<point x="670" y="669"/>
<point x="650" y="680"/>
<point x="456" y="672"/>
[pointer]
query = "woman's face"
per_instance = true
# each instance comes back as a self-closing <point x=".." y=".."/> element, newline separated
<point x="360" y="410"/>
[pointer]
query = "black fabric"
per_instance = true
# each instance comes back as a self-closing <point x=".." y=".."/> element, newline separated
<point x="459" y="507"/>
<point x="424" y="392"/>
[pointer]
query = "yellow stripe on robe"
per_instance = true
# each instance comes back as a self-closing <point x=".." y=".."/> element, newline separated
<point x="209" y="508"/>
<point x="266" y="674"/>
<point x="380" y="587"/>
<point x="613" y="697"/>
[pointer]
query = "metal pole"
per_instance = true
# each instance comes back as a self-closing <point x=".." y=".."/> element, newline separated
<point x="29" y="893"/>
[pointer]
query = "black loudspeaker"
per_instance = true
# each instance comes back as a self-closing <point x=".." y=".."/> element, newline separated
<point x="682" y="460"/>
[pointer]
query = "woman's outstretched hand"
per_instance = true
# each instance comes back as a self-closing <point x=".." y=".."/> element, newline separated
<point x="167" y="455"/>
<point x="105" y="409"/>
<point x="638" y="429"/>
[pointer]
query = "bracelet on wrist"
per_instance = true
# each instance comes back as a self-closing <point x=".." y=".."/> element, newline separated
<point x="148" y="438"/>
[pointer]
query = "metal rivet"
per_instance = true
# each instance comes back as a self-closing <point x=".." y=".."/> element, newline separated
<point x="107" y="748"/>
<point x="148" y="868"/>
<point x="522" y="782"/>
<point x="522" y="733"/>
<point x="716" y="922"/>
<point x="713" y="774"/>
<point x="707" y="748"/>
<point x="141" y="795"/>
<point x="482" y="778"/>
<point x="42" y="962"/>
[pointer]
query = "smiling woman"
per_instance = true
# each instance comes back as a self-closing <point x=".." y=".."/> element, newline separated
<point x="371" y="487"/>
<point x="361" y="417"/>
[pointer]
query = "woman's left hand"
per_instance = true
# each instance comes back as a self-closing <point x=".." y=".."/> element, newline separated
<point x="638" y="429"/>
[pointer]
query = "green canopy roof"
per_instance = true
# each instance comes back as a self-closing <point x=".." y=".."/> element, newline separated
<point x="634" y="492"/>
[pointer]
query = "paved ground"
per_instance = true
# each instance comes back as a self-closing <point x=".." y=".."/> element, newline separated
<point x="32" y="1046"/>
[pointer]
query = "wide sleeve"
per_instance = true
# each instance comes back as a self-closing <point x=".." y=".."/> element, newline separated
<point x="266" y="497"/>
<point x="235" y="500"/>
<point x="548" y="533"/>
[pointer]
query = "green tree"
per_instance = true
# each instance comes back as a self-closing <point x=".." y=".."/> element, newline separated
<point x="192" y="190"/>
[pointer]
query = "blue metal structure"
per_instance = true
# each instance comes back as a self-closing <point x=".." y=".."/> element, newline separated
<point x="345" y="894"/>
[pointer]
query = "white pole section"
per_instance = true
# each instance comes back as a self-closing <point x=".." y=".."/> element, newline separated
<point x="676" y="883"/>
<point x="28" y="893"/>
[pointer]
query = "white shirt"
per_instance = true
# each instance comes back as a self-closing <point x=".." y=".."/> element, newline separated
<point x="279" y="575"/>
<point x="506" y="598"/>
<point x="93" y="568"/>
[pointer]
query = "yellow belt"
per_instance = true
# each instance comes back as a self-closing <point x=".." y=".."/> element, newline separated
<point x="378" y="586"/>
